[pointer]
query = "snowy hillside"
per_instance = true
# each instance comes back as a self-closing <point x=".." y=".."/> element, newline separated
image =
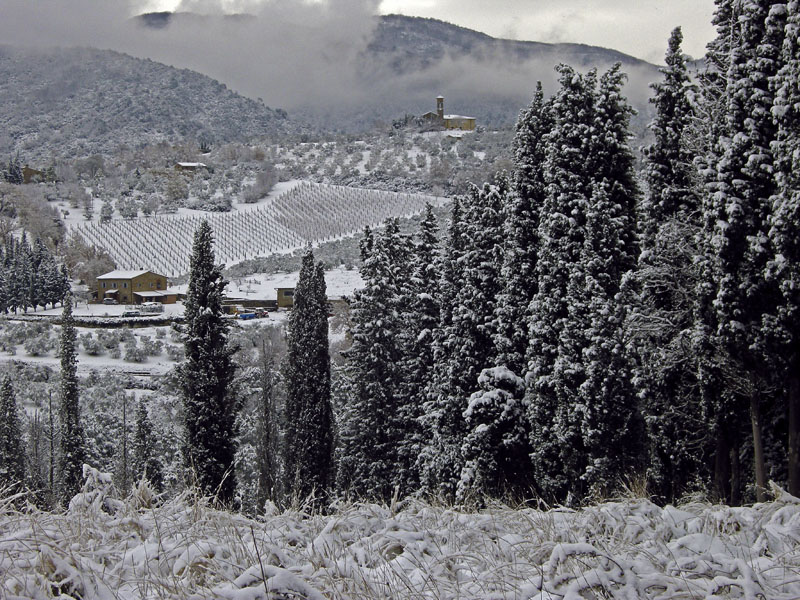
<point x="307" y="213"/>
<point x="107" y="548"/>
<point x="80" y="101"/>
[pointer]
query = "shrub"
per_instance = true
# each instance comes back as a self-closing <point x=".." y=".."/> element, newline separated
<point x="175" y="353"/>
<point x="134" y="353"/>
<point x="91" y="346"/>
<point x="38" y="345"/>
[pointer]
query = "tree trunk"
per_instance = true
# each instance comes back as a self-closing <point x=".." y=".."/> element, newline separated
<point x="722" y="467"/>
<point x="794" y="431"/>
<point x="736" y="477"/>
<point x="758" y="448"/>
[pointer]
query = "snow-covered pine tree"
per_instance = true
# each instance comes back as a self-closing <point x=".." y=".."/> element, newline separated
<point x="553" y="375"/>
<point x="146" y="464"/>
<point x="21" y="274"/>
<point x="736" y="213"/>
<point x="12" y="457"/>
<point x="206" y="376"/>
<point x="72" y="443"/>
<point x="309" y="416"/>
<point x="784" y="224"/>
<point x="468" y="340"/>
<point x="579" y="392"/>
<point x="612" y="427"/>
<point x="521" y="226"/>
<point x="662" y="322"/>
<point x="371" y="424"/>
<point x="669" y="173"/>
<point x="421" y="317"/>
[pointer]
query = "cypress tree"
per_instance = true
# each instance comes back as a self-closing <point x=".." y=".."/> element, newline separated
<point x="554" y="369"/>
<point x="72" y="443"/>
<point x="309" y="416"/>
<point x="663" y="322"/>
<point x="468" y="339"/>
<point x="579" y="392"/>
<point x="12" y="457"/>
<point x="421" y="318"/>
<point x="521" y="233"/>
<point x="783" y="325"/>
<point x="206" y="375"/>
<point x="146" y="464"/>
<point x="372" y="424"/>
<point x="669" y="172"/>
<point x="735" y="230"/>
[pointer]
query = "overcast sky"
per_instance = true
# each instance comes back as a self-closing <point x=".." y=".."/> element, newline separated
<point x="637" y="27"/>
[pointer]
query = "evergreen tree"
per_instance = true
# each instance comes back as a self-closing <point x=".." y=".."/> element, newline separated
<point x="578" y="381"/>
<point x="372" y="424"/>
<point x="421" y="318"/>
<point x="669" y="172"/>
<point x="783" y="325"/>
<point x="553" y="377"/>
<point x="146" y="464"/>
<point x="309" y="416"/>
<point x="521" y="226"/>
<point x="72" y="443"/>
<point x="12" y="457"/>
<point x="736" y="215"/>
<point x="663" y="323"/>
<point x="468" y="329"/>
<point x="206" y="375"/>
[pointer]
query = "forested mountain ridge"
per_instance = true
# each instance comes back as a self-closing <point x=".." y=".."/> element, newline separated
<point x="414" y="42"/>
<point x="81" y="101"/>
<point x="402" y="63"/>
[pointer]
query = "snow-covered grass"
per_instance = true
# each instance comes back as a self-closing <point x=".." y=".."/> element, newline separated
<point x="107" y="548"/>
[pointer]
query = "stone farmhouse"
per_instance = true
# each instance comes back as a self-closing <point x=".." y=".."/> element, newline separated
<point x="134" y="287"/>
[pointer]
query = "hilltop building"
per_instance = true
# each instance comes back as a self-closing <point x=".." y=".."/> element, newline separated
<point x="440" y="119"/>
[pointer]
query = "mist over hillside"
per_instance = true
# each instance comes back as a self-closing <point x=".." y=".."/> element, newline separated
<point x="335" y="65"/>
<point x="397" y="65"/>
<point x="80" y="101"/>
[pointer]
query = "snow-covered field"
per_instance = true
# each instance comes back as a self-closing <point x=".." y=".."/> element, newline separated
<point x="308" y="213"/>
<point x="340" y="282"/>
<point x="106" y="548"/>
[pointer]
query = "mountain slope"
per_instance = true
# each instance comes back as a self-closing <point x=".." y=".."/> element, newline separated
<point x="414" y="42"/>
<point x="81" y="101"/>
<point x="392" y="66"/>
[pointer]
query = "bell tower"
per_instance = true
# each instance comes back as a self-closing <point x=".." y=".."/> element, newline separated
<point x="440" y="106"/>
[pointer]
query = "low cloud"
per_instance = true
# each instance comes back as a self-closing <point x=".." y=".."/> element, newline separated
<point x="293" y="54"/>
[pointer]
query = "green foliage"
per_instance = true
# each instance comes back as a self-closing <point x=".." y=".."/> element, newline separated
<point x="308" y="461"/>
<point x="206" y="375"/>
